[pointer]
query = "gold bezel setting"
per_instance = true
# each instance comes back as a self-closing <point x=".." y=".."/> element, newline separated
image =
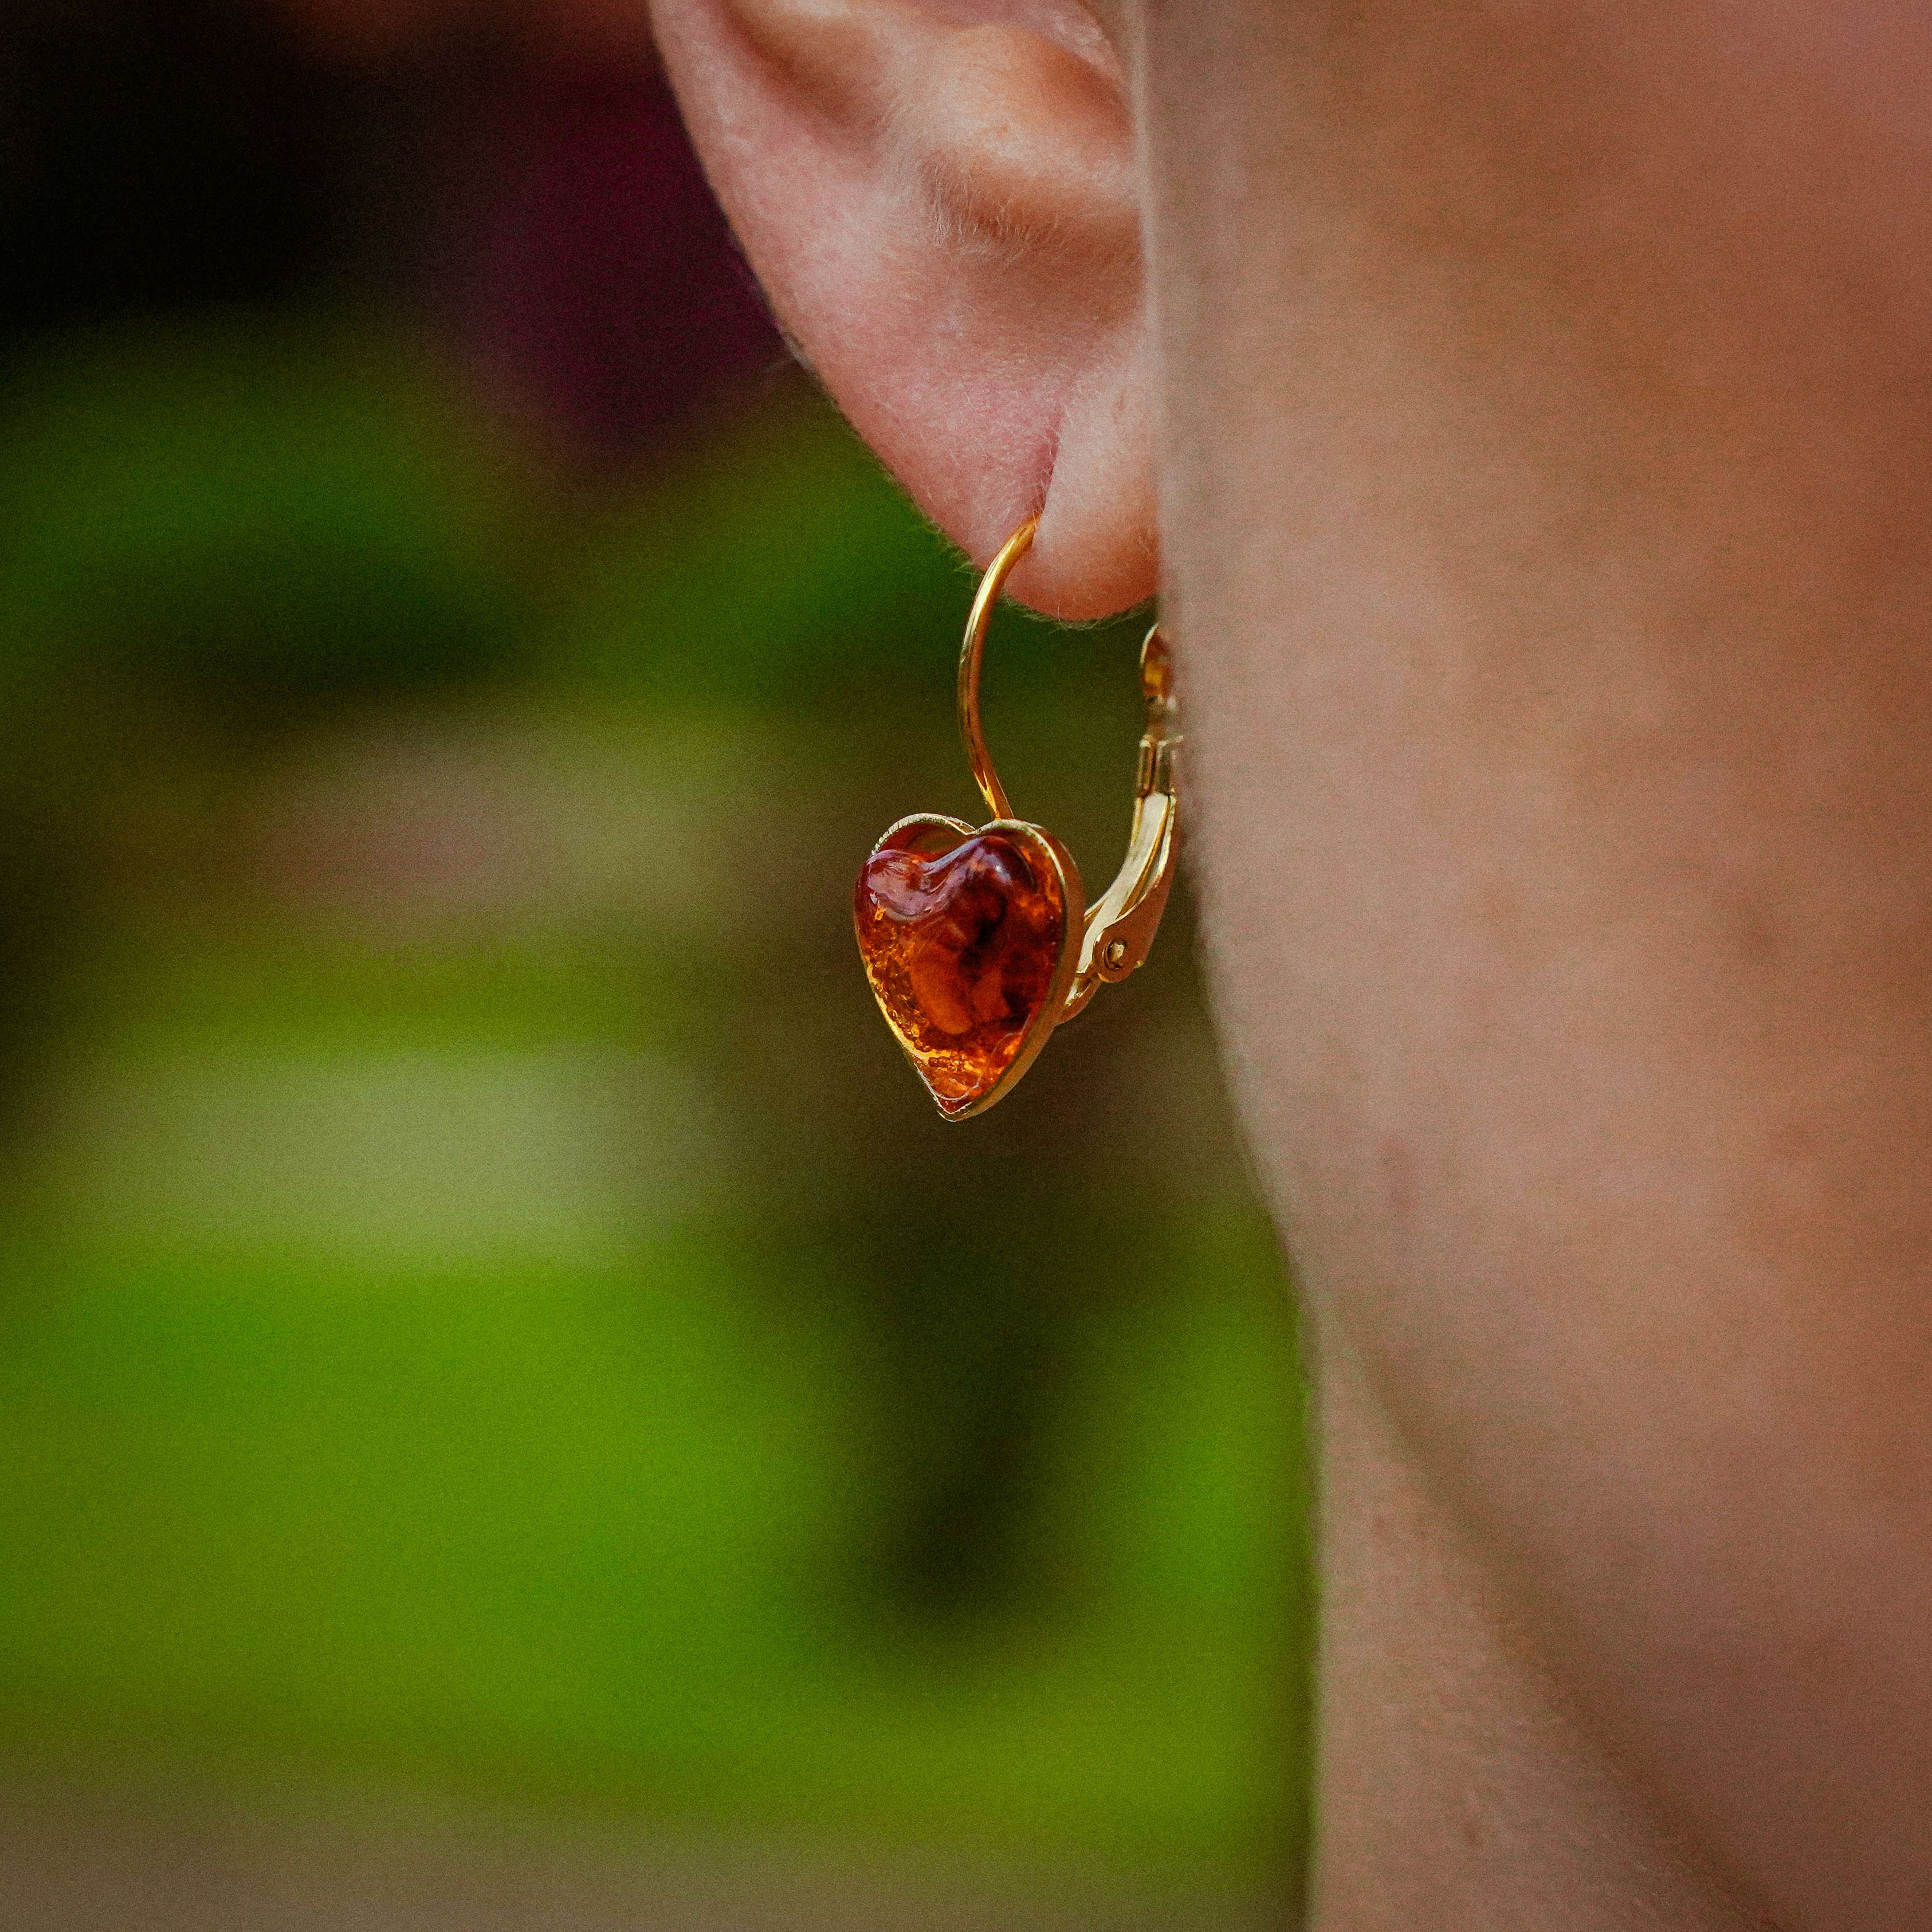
<point x="935" y="836"/>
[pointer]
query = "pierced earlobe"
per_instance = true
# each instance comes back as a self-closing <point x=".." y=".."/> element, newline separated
<point x="943" y="205"/>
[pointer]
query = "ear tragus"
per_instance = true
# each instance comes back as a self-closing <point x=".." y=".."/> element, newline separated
<point x="1021" y="142"/>
<point x="1014" y="138"/>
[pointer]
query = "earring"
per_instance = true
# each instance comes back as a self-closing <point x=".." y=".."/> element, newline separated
<point x="979" y="942"/>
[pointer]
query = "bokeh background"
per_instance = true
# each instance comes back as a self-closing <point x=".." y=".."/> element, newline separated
<point x="514" y="1410"/>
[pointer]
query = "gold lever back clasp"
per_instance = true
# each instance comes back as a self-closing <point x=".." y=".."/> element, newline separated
<point x="1120" y="924"/>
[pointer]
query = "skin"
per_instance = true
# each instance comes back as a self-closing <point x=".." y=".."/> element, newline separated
<point x="1523" y="412"/>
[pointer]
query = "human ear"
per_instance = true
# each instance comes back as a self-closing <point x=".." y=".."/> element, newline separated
<point x="941" y="199"/>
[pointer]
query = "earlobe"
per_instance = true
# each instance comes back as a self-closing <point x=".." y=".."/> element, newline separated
<point x="944" y="210"/>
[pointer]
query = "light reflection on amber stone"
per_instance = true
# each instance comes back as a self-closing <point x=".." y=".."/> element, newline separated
<point x="961" y="949"/>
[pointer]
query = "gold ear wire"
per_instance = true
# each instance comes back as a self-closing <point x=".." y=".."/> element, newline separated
<point x="977" y="620"/>
<point x="979" y="942"/>
<point x="1120" y="924"/>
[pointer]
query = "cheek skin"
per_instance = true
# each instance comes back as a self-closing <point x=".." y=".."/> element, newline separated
<point x="1547" y="523"/>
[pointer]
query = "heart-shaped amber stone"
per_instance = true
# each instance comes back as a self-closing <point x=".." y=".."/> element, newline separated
<point x="963" y="947"/>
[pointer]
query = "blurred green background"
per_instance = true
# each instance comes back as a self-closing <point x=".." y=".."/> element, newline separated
<point x="485" y="1312"/>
